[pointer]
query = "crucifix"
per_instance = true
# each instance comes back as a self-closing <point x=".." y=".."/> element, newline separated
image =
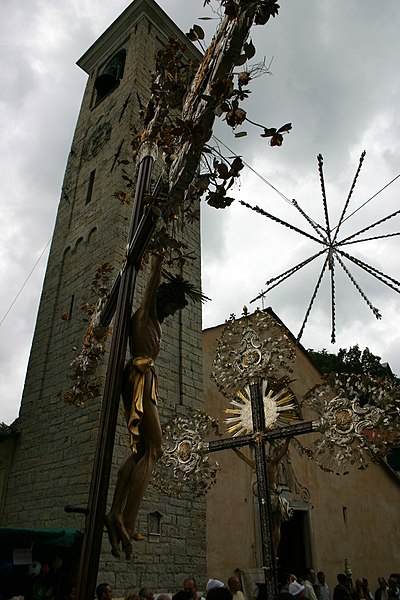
<point x="139" y="235"/>
<point x="199" y="110"/>
<point x="257" y="441"/>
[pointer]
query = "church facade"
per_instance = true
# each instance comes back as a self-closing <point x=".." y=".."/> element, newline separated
<point x="337" y="520"/>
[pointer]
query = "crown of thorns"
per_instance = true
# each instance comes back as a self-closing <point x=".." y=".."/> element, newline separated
<point x="179" y="286"/>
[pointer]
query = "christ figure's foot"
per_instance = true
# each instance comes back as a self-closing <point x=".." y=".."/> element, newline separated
<point x="113" y="535"/>
<point x="117" y="533"/>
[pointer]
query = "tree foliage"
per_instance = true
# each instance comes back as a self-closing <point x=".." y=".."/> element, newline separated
<point x="352" y="360"/>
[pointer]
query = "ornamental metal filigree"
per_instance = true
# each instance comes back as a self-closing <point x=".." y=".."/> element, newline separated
<point x="254" y="346"/>
<point x="349" y="406"/>
<point x="185" y="465"/>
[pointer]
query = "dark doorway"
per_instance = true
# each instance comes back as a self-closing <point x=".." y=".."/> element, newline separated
<point x="294" y="549"/>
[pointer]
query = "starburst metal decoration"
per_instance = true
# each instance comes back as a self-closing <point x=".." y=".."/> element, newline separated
<point x="348" y="406"/>
<point x="185" y="465"/>
<point x="279" y="410"/>
<point x="254" y="346"/>
<point x="333" y="248"/>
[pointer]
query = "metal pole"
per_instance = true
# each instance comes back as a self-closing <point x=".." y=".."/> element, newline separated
<point x="90" y="555"/>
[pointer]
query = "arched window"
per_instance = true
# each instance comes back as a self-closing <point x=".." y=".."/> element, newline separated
<point x="111" y="75"/>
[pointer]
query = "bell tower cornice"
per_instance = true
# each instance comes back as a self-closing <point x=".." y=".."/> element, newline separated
<point x="122" y="27"/>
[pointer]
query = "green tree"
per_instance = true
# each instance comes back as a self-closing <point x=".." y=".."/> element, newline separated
<point x="352" y="360"/>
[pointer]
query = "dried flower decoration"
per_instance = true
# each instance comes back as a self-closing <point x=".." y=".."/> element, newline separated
<point x="93" y="348"/>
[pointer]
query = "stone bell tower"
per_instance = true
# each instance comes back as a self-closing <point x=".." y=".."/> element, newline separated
<point x="54" y="451"/>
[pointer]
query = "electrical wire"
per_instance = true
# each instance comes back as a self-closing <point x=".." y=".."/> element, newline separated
<point x="291" y="201"/>
<point x="255" y="172"/>
<point x="25" y="282"/>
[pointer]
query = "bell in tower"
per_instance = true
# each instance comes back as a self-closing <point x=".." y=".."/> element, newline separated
<point x="111" y="75"/>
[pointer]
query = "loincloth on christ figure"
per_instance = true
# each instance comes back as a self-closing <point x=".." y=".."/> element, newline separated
<point x="280" y="505"/>
<point x="132" y="393"/>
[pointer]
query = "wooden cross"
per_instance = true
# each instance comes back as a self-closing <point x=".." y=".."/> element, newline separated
<point x="139" y="235"/>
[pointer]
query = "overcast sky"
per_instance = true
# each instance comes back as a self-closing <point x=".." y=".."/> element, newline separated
<point x="334" y="77"/>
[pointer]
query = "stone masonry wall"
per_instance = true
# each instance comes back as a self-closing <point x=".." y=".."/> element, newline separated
<point x="54" y="453"/>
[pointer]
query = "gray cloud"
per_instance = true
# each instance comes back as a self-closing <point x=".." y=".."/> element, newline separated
<point x="335" y="77"/>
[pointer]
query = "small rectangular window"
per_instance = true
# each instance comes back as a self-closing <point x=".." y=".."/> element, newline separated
<point x="90" y="186"/>
<point x="71" y="307"/>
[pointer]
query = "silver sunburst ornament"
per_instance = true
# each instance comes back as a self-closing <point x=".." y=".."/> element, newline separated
<point x="335" y="248"/>
<point x="254" y="346"/>
<point x="279" y="410"/>
<point x="350" y="406"/>
<point x="185" y="465"/>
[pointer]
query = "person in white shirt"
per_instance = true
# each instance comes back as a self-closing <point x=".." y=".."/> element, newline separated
<point x="309" y="581"/>
<point x="323" y="586"/>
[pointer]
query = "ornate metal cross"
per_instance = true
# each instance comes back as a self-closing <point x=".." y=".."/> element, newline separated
<point x="248" y="358"/>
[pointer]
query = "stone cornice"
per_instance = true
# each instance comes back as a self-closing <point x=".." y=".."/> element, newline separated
<point x="122" y="27"/>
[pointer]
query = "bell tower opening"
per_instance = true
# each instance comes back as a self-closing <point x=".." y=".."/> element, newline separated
<point x="110" y="75"/>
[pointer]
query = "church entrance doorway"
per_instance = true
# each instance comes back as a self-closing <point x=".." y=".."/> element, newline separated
<point x="294" y="552"/>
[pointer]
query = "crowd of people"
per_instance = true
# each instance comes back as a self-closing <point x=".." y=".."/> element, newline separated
<point x="215" y="590"/>
<point x="312" y="587"/>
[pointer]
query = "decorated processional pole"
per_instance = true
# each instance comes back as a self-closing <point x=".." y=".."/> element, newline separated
<point x="211" y="85"/>
<point x="248" y="371"/>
